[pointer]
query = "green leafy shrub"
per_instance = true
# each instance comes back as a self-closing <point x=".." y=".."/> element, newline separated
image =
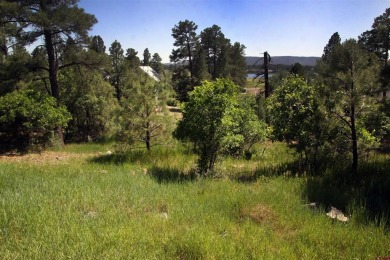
<point x="295" y="116"/>
<point x="27" y="120"/>
<point x="215" y="122"/>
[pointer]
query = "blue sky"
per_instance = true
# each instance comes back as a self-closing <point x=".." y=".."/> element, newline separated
<point x="281" y="27"/>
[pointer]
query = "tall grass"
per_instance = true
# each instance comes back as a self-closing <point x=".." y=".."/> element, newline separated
<point x="365" y="195"/>
<point x="102" y="209"/>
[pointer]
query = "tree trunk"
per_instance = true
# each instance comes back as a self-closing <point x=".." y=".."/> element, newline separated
<point x="266" y="86"/>
<point x="53" y="69"/>
<point x="355" y="155"/>
<point x="147" y="137"/>
<point x="215" y="62"/>
<point x="190" y="60"/>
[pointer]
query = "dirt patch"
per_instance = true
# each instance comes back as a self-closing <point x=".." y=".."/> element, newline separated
<point x="175" y="112"/>
<point x="259" y="214"/>
<point x="263" y="215"/>
<point x="253" y="91"/>
<point x="50" y="158"/>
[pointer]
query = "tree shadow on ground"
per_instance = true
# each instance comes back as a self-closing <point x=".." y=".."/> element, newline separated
<point x="158" y="173"/>
<point x="171" y="175"/>
<point x="289" y="169"/>
<point x="365" y="195"/>
<point x="119" y="158"/>
<point x="109" y="159"/>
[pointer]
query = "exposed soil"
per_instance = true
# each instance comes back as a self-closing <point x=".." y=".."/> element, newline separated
<point x="48" y="157"/>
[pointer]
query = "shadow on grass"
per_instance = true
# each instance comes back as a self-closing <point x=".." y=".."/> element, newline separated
<point x="365" y="195"/>
<point x="160" y="174"/>
<point x="140" y="156"/>
<point x="171" y="175"/>
<point x="288" y="169"/>
<point x="110" y="159"/>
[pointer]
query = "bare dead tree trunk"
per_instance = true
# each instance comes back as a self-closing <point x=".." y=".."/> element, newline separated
<point x="266" y="84"/>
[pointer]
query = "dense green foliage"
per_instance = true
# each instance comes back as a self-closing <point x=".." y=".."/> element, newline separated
<point x="209" y="55"/>
<point x="58" y="23"/>
<point x="377" y="40"/>
<point x="295" y="115"/>
<point x="144" y="115"/>
<point x="214" y="121"/>
<point x="350" y="83"/>
<point x="91" y="101"/>
<point x="27" y="120"/>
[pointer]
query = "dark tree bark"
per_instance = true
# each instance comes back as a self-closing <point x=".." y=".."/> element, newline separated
<point x="53" y="70"/>
<point x="266" y="86"/>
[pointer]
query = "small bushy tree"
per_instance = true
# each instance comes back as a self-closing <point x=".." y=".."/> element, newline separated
<point x="295" y="116"/>
<point x="28" y="118"/>
<point x="242" y="127"/>
<point x="214" y="122"/>
<point x="145" y="116"/>
<point x="92" y="103"/>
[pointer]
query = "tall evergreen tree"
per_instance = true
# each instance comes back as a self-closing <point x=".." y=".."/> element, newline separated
<point x="350" y="78"/>
<point x="97" y="44"/>
<point x="237" y="65"/>
<point x="147" y="56"/>
<point x="334" y="41"/>
<point x="200" y="66"/>
<point x="377" y="39"/>
<point x="156" y="63"/>
<point x="213" y="41"/>
<point x="186" y="40"/>
<point x="118" y="68"/>
<point x="53" y="21"/>
<point x="131" y="56"/>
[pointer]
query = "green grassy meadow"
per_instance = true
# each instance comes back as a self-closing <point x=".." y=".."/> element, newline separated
<point x="82" y="203"/>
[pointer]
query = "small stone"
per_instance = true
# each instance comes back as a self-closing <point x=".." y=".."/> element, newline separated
<point x="335" y="213"/>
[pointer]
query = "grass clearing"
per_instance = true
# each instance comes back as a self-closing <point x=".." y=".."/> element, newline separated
<point x="99" y="206"/>
<point x="254" y="83"/>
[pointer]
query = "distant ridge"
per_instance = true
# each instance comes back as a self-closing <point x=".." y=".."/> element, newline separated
<point x="285" y="60"/>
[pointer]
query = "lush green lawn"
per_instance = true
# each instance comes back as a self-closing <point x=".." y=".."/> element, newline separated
<point x="93" y="205"/>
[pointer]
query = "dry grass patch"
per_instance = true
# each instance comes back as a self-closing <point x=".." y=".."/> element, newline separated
<point x="259" y="214"/>
<point x="265" y="216"/>
<point x="44" y="158"/>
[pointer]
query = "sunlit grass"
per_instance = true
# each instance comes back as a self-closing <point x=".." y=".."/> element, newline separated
<point x="254" y="83"/>
<point x="105" y="209"/>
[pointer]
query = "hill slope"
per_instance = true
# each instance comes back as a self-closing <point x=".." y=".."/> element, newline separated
<point x="285" y="60"/>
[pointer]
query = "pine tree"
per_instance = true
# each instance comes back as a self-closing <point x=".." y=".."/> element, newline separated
<point x="54" y="21"/>
<point x="147" y="56"/>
